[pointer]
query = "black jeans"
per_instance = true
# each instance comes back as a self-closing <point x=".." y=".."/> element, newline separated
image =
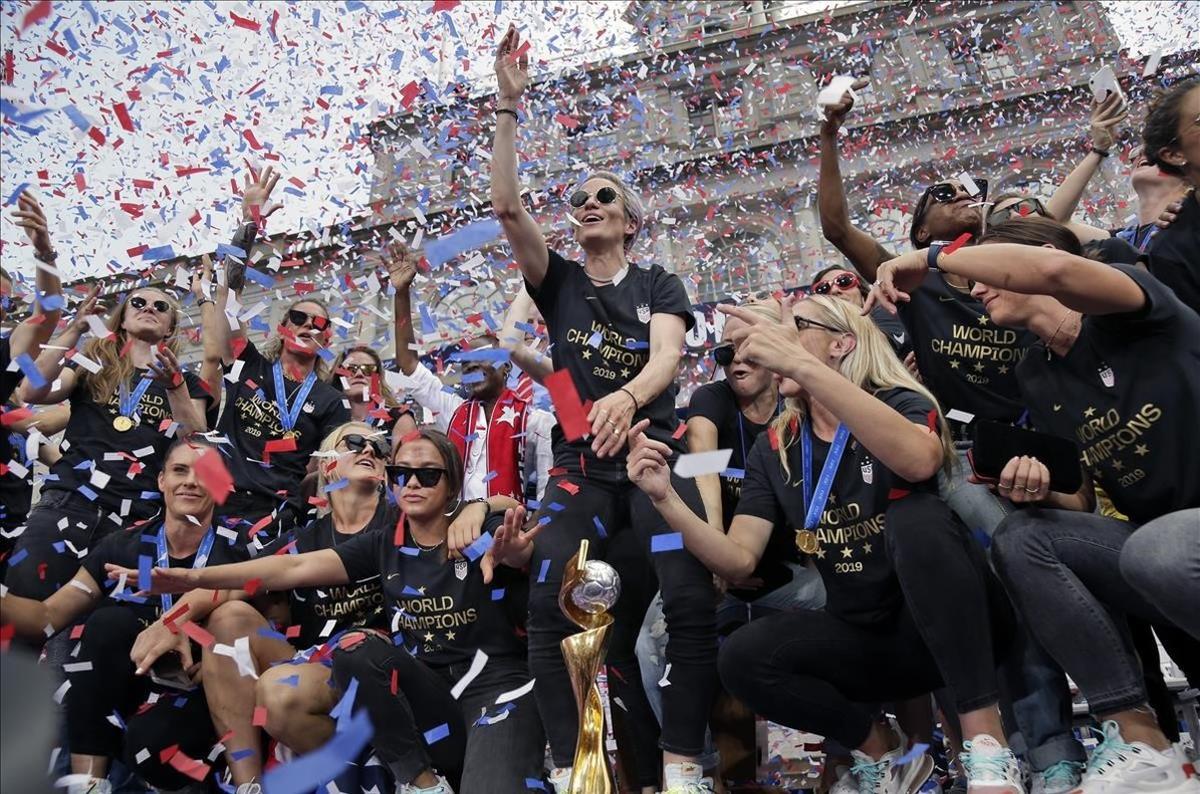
<point x="110" y="686"/>
<point x="43" y="560"/>
<point x="816" y="671"/>
<point x="421" y="726"/>
<point x="1063" y="569"/>
<point x="688" y="603"/>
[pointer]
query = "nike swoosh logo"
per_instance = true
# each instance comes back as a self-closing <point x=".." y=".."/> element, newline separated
<point x="945" y="299"/>
<point x="1057" y="407"/>
<point x="899" y="338"/>
<point x="392" y="576"/>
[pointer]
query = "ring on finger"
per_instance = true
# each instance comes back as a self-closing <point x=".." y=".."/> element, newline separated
<point x="1004" y="487"/>
<point x="1030" y="490"/>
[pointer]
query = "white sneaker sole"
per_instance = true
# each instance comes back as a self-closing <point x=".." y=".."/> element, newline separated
<point x="919" y="772"/>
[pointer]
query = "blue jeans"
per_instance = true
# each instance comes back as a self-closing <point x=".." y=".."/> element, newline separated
<point x="805" y="591"/>
<point x="1162" y="562"/>
<point x="1032" y="681"/>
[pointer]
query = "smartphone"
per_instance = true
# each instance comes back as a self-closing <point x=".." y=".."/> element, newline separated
<point x="1102" y="82"/>
<point x="168" y="672"/>
<point x="997" y="443"/>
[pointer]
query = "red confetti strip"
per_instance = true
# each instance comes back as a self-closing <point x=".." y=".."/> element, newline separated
<point x="251" y="586"/>
<point x="958" y="243"/>
<point x="213" y="475"/>
<point x="123" y="117"/>
<point x="679" y="431"/>
<point x="571" y="416"/>
<point x="41" y="10"/>
<point x="444" y="5"/>
<point x="14" y="416"/>
<point x="260" y="716"/>
<point x="242" y="22"/>
<point x="250" y="139"/>
<point x="569" y="487"/>
<point x="199" y="634"/>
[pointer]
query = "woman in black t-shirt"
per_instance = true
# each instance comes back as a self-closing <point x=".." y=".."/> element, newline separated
<point x="129" y="399"/>
<point x="850" y="465"/>
<point x="455" y="651"/>
<point x="1117" y="372"/>
<point x="616" y="330"/>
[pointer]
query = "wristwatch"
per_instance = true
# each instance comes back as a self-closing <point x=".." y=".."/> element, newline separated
<point x="932" y="257"/>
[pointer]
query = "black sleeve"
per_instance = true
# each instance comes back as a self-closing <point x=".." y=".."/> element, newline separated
<point x="114" y="548"/>
<point x="667" y="296"/>
<point x="707" y="401"/>
<point x="758" y="498"/>
<point x="362" y="555"/>
<point x="337" y="415"/>
<point x="545" y="295"/>
<point x="1161" y="307"/>
<point x="196" y="390"/>
<point x="912" y="405"/>
<point x="8" y="380"/>
<point x="251" y="355"/>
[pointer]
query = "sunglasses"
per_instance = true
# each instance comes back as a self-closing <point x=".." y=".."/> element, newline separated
<point x="298" y="318"/>
<point x="160" y="306"/>
<point x="357" y="443"/>
<point x="803" y="324"/>
<point x="361" y="369"/>
<point x="605" y="195"/>
<point x="1020" y="209"/>
<point x="427" y="476"/>
<point x="723" y="354"/>
<point x="842" y="282"/>
<point x="944" y="193"/>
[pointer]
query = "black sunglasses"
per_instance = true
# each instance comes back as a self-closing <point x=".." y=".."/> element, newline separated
<point x="844" y="281"/>
<point x="605" y="195"/>
<point x="723" y="354"/>
<point x="427" y="476"/>
<point x="160" y="306"/>
<point x="297" y="317"/>
<point x="941" y="193"/>
<point x="803" y="323"/>
<point x="357" y="443"/>
<point x="1020" y="209"/>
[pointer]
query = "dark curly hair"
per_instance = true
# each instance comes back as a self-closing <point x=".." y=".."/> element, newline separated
<point x="1161" y="129"/>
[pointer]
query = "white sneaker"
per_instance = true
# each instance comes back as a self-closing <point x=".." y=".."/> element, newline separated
<point x="1117" y="768"/>
<point x="685" y="778"/>
<point x="991" y="768"/>
<point x="1059" y="778"/>
<point x="249" y="788"/>
<point x="845" y="783"/>
<point x="560" y="779"/>
<point x="885" y="776"/>
<point x="441" y="787"/>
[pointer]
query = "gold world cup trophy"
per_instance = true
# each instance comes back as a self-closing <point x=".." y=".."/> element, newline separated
<point x="589" y="590"/>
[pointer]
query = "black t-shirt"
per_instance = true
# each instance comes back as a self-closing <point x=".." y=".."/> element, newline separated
<point x="967" y="361"/>
<point x="8" y="380"/>
<point x="892" y="327"/>
<point x="131" y="460"/>
<point x="1174" y="257"/>
<point x="440" y="609"/>
<point x="860" y="583"/>
<point x="125" y="547"/>
<point x="16" y="493"/>
<point x="1111" y="251"/>
<point x="250" y="418"/>
<point x="321" y="612"/>
<point x="1138" y="436"/>
<point x="601" y="335"/>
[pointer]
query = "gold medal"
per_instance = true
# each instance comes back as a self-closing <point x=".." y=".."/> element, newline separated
<point x="806" y="541"/>
<point x="291" y="434"/>
<point x="122" y="423"/>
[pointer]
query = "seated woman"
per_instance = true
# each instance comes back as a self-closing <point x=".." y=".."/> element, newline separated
<point x="909" y="596"/>
<point x="436" y="716"/>
<point x="1118" y="371"/>
<point x="103" y="679"/>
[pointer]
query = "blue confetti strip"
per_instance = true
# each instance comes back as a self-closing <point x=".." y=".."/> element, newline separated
<point x="545" y="569"/>
<point x="479" y="547"/>
<point x="669" y="541"/>
<point x="435" y="735"/>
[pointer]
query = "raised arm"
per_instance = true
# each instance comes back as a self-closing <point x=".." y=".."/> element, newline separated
<point x="402" y="269"/>
<point x="531" y="360"/>
<point x="1105" y="118"/>
<point x="524" y="236"/>
<point x="733" y="557"/>
<point x="52" y="359"/>
<point x="863" y="250"/>
<point x="276" y="572"/>
<point x="214" y="328"/>
<point x="31" y="618"/>
<point x="1081" y="284"/>
<point x="36" y="330"/>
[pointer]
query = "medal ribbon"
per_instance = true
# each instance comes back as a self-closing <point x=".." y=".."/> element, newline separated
<point x="129" y="400"/>
<point x="288" y="416"/>
<point x="814" y="503"/>
<point x="168" y="600"/>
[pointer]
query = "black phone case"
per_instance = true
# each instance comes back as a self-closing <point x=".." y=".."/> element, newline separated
<point x="996" y="444"/>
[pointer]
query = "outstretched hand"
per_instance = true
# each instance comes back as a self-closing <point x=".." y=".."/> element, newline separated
<point x="401" y="263"/>
<point x="648" y="465"/>
<point x="256" y="195"/>
<point x="30" y="217"/>
<point x="512" y="544"/>
<point x="835" y="115"/>
<point x="773" y="345"/>
<point x="512" y="66"/>
<point x="91" y="305"/>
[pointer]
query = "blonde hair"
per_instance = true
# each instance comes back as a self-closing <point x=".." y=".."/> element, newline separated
<point x="768" y="309"/>
<point x="389" y="397"/>
<point x="635" y="208"/>
<point x="271" y="350"/>
<point x="116" y="366"/>
<point x="328" y="461"/>
<point x="871" y="366"/>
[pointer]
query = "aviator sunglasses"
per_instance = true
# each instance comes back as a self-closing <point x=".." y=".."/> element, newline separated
<point x="843" y="282"/>
<point x="605" y="195"/>
<point x="427" y="476"/>
<point x="360" y="369"/>
<point x="297" y="318"/>
<point x="160" y="306"/>
<point x="1018" y="209"/>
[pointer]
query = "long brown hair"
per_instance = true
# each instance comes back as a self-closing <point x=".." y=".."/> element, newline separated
<point x="871" y="366"/>
<point x="1034" y="230"/>
<point x="389" y="397"/>
<point x="274" y="346"/>
<point x="116" y="366"/>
